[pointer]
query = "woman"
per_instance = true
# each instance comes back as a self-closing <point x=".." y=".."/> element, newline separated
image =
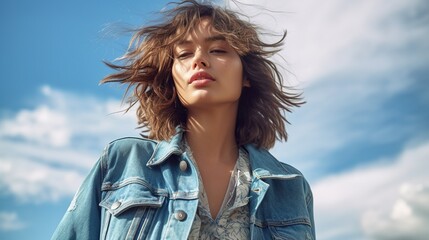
<point x="212" y="104"/>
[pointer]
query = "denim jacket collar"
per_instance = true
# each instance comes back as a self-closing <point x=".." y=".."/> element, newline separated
<point x="269" y="168"/>
<point x="165" y="149"/>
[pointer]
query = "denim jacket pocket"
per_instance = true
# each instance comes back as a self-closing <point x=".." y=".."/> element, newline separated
<point x="292" y="229"/>
<point x="128" y="211"/>
<point x="296" y="229"/>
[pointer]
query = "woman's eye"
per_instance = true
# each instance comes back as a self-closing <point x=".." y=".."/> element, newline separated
<point x="183" y="55"/>
<point x="218" y="51"/>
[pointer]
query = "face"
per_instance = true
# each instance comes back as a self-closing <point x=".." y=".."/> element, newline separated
<point x="207" y="71"/>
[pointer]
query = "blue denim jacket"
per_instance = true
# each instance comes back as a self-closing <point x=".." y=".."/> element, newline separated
<point x="143" y="189"/>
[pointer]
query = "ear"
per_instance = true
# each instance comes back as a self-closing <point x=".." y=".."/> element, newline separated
<point x="246" y="82"/>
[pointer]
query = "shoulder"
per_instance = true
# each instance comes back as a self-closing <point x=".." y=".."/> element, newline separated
<point x="129" y="147"/>
<point x="262" y="159"/>
<point x="128" y="143"/>
<point x="127" y="154"/>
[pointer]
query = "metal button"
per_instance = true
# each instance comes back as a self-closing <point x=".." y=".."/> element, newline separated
<point x="183" y="165"/>
<point x="181" y="215"/>
<point x="115" y="205"/>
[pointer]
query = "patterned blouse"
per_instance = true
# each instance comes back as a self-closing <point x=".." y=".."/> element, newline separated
<point x="232" y="221"/>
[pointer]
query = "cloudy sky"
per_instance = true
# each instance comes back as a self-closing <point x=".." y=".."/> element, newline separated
<point x="362" y="139"/>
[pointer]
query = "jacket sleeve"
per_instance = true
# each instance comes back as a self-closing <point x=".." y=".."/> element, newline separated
<point x="309" y="200"/>
<point x="82" y="218"/>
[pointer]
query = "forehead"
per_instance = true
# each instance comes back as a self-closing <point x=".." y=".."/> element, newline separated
<point x="202" y="30"/>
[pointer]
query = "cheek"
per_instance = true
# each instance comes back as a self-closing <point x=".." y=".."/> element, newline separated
<point x="237" y="70"/>
<point x="179" y="83"/>
<point x="178" y="75"/>
<point x="174" y="71"/>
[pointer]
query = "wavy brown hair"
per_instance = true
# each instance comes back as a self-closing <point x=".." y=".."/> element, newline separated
<point x="147" y="69"/>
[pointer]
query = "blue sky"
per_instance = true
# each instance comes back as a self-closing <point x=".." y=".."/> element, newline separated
<point x="362" y="139"/>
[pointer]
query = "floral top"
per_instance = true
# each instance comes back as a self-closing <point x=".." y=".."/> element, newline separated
<point x="232" y="221"/>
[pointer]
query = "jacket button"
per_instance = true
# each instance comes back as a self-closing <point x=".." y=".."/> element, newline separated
<point x="183" y="165"/>
<point x="115" y="205"/>
<point x="181" y="215"/>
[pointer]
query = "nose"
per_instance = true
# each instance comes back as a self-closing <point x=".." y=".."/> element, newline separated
<point x="200" y="61"/>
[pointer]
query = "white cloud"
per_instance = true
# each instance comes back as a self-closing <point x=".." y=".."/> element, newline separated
<point x="46" y="151"/>
<point x="28" y="179"/>
<point x="334" y="36"/>
<point x="387" y="199"/>
<point x="42" y="125"/>
<point x="9" y="221"/>
<point x="63" y="117"/>
<point x="408" y="218"/>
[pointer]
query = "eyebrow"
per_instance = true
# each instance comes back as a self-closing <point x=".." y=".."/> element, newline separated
<point x="207" y="39"/>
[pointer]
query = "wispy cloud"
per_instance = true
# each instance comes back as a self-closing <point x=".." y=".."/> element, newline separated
<point x="353" y="37"/>
<point x="61" y="118"/>
<point x="387" y="198"/>
<point x="40" y="125"/>
<point x="407" y="219"/>
<point x="28" y="179"/>
<point x="9" y="221"/>
<point x="352" y="59"/>
<point x="46" y="151"/>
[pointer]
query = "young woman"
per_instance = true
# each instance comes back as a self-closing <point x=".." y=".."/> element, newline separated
<point x="212" y="104"/>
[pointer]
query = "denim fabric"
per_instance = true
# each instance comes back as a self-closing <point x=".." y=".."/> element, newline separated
<point x="138" y="189"/>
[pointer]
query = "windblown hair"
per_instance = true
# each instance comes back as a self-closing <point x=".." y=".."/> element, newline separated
<point x="147" y="69"/>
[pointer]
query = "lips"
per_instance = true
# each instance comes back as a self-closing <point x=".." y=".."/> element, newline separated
<point x="201" y="76"/>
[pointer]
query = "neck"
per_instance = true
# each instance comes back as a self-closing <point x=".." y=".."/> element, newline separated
<point x="211" y="134"/>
